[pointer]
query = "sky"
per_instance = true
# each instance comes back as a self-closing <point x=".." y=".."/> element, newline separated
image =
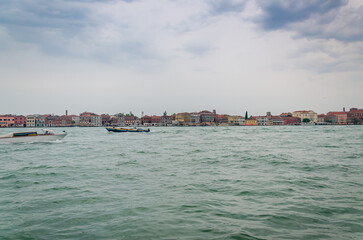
<point x="153" y="56"/>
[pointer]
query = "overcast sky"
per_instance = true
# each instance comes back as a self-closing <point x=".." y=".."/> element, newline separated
<point x="156" y="55"/>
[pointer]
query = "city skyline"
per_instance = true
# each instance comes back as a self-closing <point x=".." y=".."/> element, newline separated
<point x="201" y="118"/>
<point x="152" y="56"/>
<point x="143" y="113"/>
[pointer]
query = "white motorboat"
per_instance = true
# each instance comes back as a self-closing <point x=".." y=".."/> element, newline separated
<point x="32" y="136"/>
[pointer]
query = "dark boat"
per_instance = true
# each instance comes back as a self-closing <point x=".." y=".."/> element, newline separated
<point x="115" y="129"/>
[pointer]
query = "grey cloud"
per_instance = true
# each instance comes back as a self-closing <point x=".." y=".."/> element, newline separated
<point x="226" y="6"/>
<point x="70" y="28"/>
<point x="198" y="50"/>
<point x="325" y="19"/>
<point x="278" y="14"/>
<point x="345" y="26"/>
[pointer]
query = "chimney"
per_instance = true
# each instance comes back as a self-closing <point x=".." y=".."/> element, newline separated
<point x="66" y="112"/>
<point x="343" y="109"/>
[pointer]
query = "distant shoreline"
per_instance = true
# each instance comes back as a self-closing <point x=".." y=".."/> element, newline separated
<point x="302" y="125"/>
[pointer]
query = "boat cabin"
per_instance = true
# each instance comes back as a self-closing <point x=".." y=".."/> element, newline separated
<point x="25" y="134"/>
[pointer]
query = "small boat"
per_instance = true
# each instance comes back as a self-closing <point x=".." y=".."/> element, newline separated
<point x="33" y="136"/>
<point x="116" y="129"/>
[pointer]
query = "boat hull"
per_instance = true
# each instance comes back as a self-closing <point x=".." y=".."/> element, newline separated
<point x="38" y="138"/>
<point x="112" y="129"/>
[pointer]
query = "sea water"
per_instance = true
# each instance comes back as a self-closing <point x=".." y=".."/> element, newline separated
<point x="273" y="182"/>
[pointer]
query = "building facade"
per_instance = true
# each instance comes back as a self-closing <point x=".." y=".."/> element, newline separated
<point x="311" y="115"/>
<point x="340" y="118"/>
<point x="7" y="120"/>
<point x="19" y="121"/>
<point x="30" y="121"/>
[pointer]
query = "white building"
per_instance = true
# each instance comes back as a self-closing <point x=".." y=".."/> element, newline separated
<point x="311" y="115"/>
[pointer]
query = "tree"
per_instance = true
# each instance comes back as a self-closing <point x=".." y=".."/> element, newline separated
<point x="246" y="116"/>
<point x="306" y="120"/>
<point x="165" y="113"/>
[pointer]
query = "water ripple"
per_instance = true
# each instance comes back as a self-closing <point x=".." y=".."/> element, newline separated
<point x="186" y="183"/>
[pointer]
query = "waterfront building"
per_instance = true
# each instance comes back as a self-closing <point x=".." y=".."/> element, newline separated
<point x="40" y="121"/>
<point x="19" y="121"/>
<point x="49" y="120"/>
<point x="221" y="119"/>
<point x="331" y="119"/>
<point x="182" y="118"/>
<point x="63" y="121"/>
<point x="106" y="120"/>
<point x="321" y="119"/>
<point x="166" y="120"/>
<point x="75" y="120"/>
<point x="242" y="121"/>
<point x="251" y="122"/>
<point x="355" y="116"/>
<point x="263" y="120"/>
<point x="88" y="119"/>
<point x="234" y="120"/>
<point x="114" y="121"/>
<point x="130" y="120"/>
<point x="276" y="120"/>
<point x="137" y="121"/>
<point x="283" y="115"/>
<point x="96" y="120"/>
<point x="151" y="120"/>
<point x="85" y="119"/>
<point x="30" y="121"/>
<point x="146" y="120"/>
<point x="195" y="119"/>
<point x="7" y="120"/>
<point x="291" y="120"/>
<point x="155" y="120"/>
<point x="341" y="118"/>
<point x="120" y="119"/>
<point x="311" y="115"/>
<point x="207" y="117"/>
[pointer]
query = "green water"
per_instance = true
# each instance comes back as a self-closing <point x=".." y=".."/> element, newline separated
<point x="288" y="182"/>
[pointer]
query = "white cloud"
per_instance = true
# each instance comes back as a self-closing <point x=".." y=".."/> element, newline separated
<point x="169" y="55"/>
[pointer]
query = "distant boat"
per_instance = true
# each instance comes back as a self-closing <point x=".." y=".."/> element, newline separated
<point x="115" y="129"/>
<point x="33" y="136"/>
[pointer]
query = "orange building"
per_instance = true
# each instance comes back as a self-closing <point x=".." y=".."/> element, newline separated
<point x="7" y="120"/>
<point x="341" y="117"/>
<point x="251" y="122"/>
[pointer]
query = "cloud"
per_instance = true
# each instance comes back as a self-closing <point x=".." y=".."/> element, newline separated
<point x="325" y="19"/>
<point x="179" y="54"/>
<point x="198" y="50"/>
<point x="121" y="32"/>
<point x="102" y="30"/>
<point x="227" y="6"/>
<point x="278" y="14"/>
<point x="344" y="25"/>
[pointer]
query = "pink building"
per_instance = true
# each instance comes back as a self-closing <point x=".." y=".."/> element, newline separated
<point x="355" y="116"/>
<point x="292" y="121"/>
<point x="20" y="121"/>
<point x="129" y="120"/>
